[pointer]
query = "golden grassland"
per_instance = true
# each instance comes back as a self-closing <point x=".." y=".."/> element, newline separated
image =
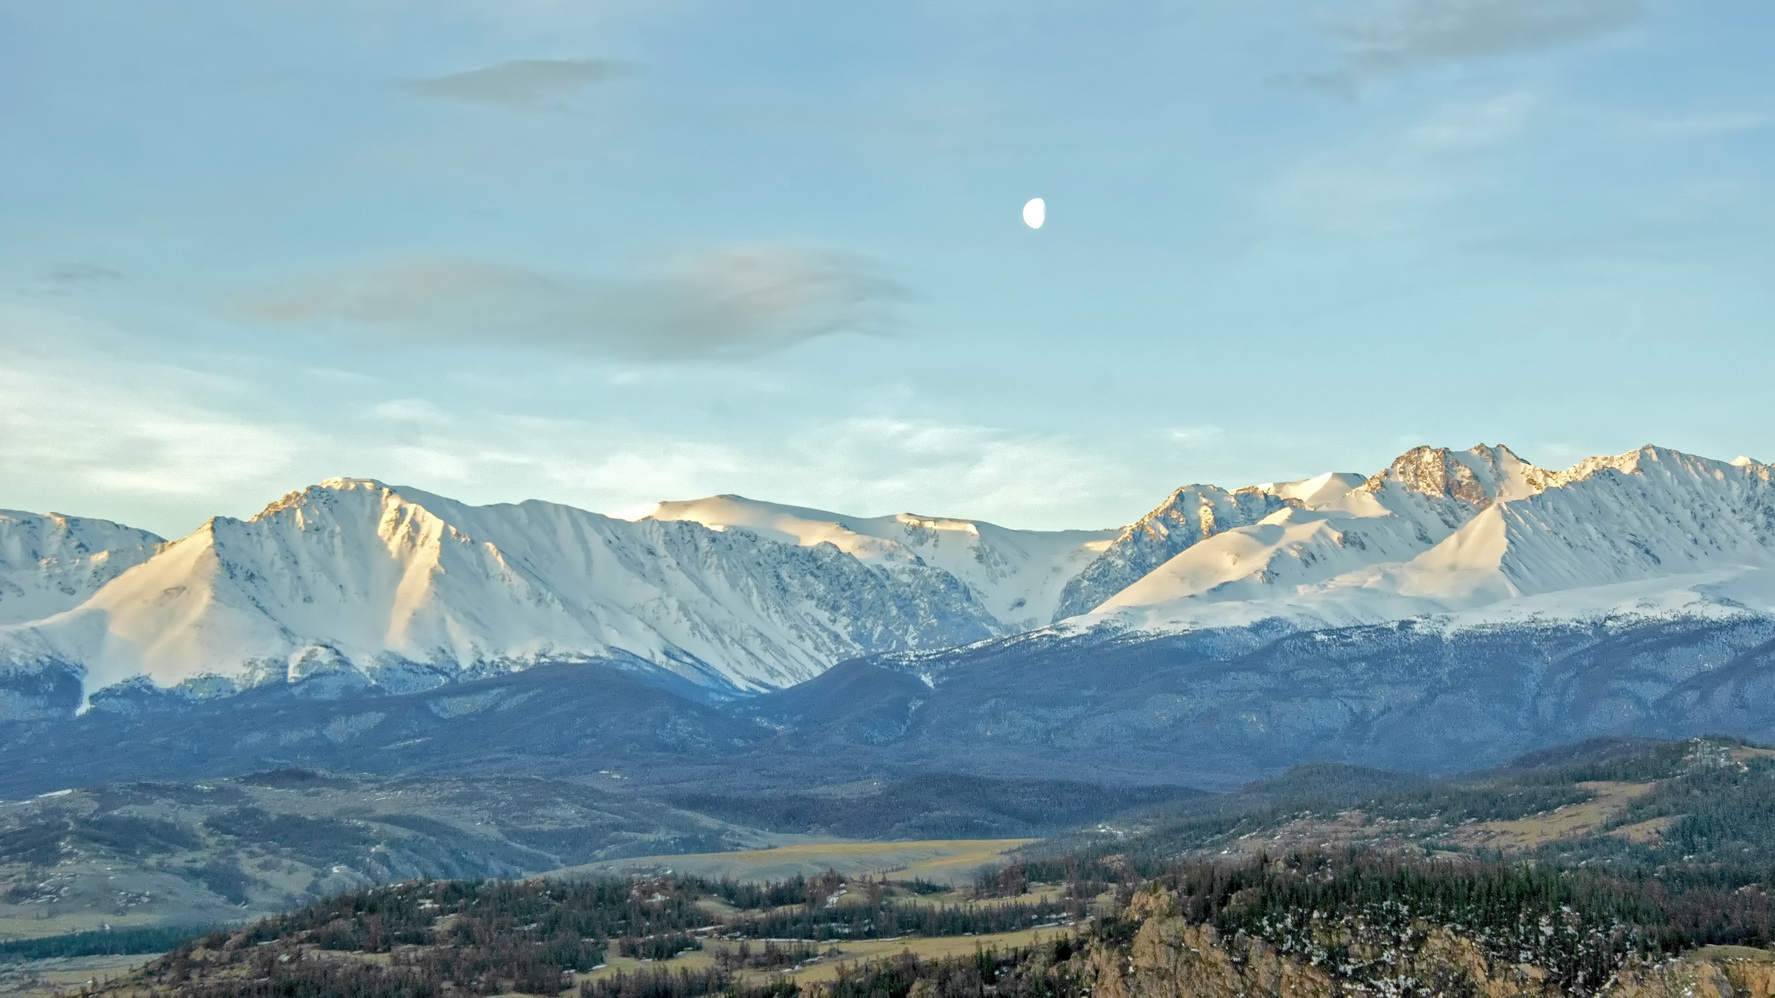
<point x="1355" y="828"/>
<point x="43" y="978"/>
<point x="1646" y="832"/>
<point x="949" y="861"/>
<point x="1609" y="798"/>
<point x="1731" y="953"/>
<point x="848" y="953"/>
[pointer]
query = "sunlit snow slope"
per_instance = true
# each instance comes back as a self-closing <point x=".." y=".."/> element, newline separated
<point x="50" y="563"/>
<point x="1017" y="575"/>
<point x="411" y="588"/>
<point x="1443" y="531"/>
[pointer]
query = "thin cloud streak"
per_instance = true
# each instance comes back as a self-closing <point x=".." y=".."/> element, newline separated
<point x="1417" y="32"/>
<point x="739" y="303"/>
<point x="1409" y="34"/>
<point x="134" y="436"/>
<point x="521" y="84"/>
<point x="865" y="465"/>
<point x="83" y="273"/>
<point x="1478" y="123"/>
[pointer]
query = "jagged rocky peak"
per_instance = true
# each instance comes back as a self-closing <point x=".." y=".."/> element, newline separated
<point x="338" y="495"/>
<point x="1195" y="512"/>
<point x="1477" y="476"/>
<point x="1188" y="516"/>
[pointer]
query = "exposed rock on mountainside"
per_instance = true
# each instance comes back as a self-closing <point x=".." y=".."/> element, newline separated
<point x="50" y="563"/>
<point x="1191" y="514"/>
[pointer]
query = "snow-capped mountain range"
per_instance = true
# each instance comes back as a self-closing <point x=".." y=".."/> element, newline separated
<point x="371" y="583"/>
<point x="1018" y="576"/>
<point x="1479" y="536"/>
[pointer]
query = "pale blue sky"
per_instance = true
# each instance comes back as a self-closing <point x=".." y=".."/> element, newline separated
<point x="609" y="252"/>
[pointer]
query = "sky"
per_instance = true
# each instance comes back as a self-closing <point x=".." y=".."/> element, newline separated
<point x="606" y="252"/>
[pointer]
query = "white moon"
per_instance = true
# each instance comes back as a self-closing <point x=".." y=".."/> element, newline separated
<point x="1035" y="213"/>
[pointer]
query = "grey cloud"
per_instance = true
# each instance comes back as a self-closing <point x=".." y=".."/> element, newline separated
<point x="739" y="303"/>
<point x="1416" y="32"/>
<point x="83" y="273"/>
<point x="520" y="85"/>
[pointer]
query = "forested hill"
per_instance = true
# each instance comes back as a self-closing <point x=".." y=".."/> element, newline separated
<point x="1630" y="806"/>
<point x="1617" y="867"/>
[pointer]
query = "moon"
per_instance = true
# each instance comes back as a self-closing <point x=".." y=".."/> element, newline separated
<point x="1035" y="212"/>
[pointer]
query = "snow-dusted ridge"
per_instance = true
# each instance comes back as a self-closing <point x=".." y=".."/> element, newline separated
<point x="1471" y="534"/>
<point x="1018" y="575"/>
<point x="366" y="582"/>
<point x="50" y="562"/>
<point x="405" y="587"/>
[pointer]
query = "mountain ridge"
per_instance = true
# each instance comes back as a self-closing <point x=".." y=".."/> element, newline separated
<point x="50" y="562"/>
<point x="354" y="581"/>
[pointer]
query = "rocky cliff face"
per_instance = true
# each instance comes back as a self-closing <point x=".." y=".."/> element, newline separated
<point x="1168" y="957"/>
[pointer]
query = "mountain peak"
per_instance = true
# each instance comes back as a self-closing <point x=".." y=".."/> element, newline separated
<point x="1477" y="476"/>
<point x="1188" y="516"/>
<point x="1651" y="456"/>
<point x="1316" y="491"/>
<point x="342" y="483"/>
<point x="342" y="493"/>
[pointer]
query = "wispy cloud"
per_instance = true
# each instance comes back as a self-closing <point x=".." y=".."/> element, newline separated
<point x="1413" y="32"/>
<point x="1361" y="192"/>
<point x="521" y="84"/>
<point x="1406" y="34"/>
<point x="164" y="446"/>
<point x="929" y="466"/>
<point x="737" y="303"/>
<point x="1477" y="123"/>
<point x="1190" y="436"/>
<point x="83" y="273"/>
<point x="88" y="423"/>
<point x="1400" y="179"/>
<point x="864" y="464"/>
<point x="1690" y="126"/>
